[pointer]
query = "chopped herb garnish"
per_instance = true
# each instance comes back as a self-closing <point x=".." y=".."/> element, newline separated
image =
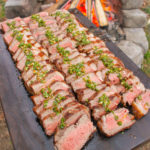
<point x="36" y="66"/>
<point x="81" y="38"/>
<point x="119" y="123"/>
<point x="45" y="103"/>
<point x="106" y="60"/>
<point x="56" y="102"/>
<point x="90" y="84"/>
<point x="40" y="21"/>
<point x="15" y="32"/>
<point x="51" y="37"/>
<point x="105" y="101"/>
<point x="97" y="51"/>
<point x="62" y="123"/>
<point x="19" y="37"/>
<point x="71" y="27"/>
<point x="46" y="92"/>
<point x="112" y="69"/>
<point x="12" y="25"/>
<point x="35" y="17"/>
<point x="139" y="97"/>
<point x="63" y="53"/>
<point x="78" y="69"/>
<point x="87" y="100"/>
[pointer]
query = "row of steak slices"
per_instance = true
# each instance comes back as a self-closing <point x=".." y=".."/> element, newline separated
<point x="99" y="79"/>
<point x="55" y="104"/>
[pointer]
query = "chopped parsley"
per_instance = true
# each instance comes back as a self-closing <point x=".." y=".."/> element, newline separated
<point x="19" y="37"/>
<point x="123" y="82"/>
<point x="139" y="97"/>
<point x="45" y="103"/>
<point x="90" y="84"/>
<point x="12" y="25"/>
<point x="71" y="27"/>
<point x="119" y="123"/>
<point x="56" y="102"/>
<point x="104" y="101"/>
<point x="47" y="92"/>
<point x="51" y="37"/>
<point x="106" y="60"/>
<point x="81" y="38"/>
<point x="63" y="53"/>
<point x="78" y="69"/>
<point x="62" y="123"/>
<point x="115" y="116"/>
<point x="97" y="51"/>
<point x="40" y="21"/>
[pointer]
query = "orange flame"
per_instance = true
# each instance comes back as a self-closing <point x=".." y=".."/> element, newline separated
<point x="82" y="8"/>
<point x="94" y="18"/>
<point x="106" y="5"/>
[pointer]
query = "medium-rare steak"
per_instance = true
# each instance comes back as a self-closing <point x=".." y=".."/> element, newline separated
<point x="141" y="105"/>
<point x="75" y="136"/>
<point x="115" y="122"/>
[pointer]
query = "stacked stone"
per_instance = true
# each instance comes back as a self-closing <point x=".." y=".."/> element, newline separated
<point x="134" y="19"/>
<point x="23" y="8"/>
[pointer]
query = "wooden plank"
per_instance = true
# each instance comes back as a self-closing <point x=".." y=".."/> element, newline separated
<point x="25" y="130"/>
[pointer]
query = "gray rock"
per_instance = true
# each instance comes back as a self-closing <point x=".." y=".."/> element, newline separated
<point x="134" y="18"/>
<point x="132" y="50"/>
<point x="131" y="4"/>
<point x="23" y="8"/>
<point x="137" y="35"/>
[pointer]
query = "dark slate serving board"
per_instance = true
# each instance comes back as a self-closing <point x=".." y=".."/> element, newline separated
<point x="24" y="128"/>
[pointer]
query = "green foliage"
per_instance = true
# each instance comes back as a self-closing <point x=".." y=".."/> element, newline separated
<point x="2" y="10"/>
<point x="147" y="10"/>
<point x="146" y="63"/>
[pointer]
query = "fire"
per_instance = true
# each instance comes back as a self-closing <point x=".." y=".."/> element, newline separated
<point x="106" y="5"/>
<point x="94" y="18"/>
<point x="81" y="6"/>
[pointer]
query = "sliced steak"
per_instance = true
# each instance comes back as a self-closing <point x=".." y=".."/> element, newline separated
<point x="75" y="136"/>
<point x="100" y="110"/>
<point x="51" y="77"/>
<point x="115" y="122"/>
<point x="141" y="105"/>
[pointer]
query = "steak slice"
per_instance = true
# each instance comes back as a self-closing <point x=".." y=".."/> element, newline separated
<point x="8" y="37"/>
<point x="99" y="110"/>
<point x="75" y="136"/>
<point x="115" y="122"/>
<point x="81" y="84"/>
<point x="50" y="78"/>
<point x="108" y="91"/>
<point x="136" y="89"/>
<point x="28" y="74"/>
<point x="85" y="94"/>
<point x="51" y="122"/>
<point x="141" y="105"/>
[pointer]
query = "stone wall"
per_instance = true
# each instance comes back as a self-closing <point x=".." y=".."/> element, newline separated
<point x="25" y="8"/>
<point x="22" y="8"/>
<point x="135" y="43"/>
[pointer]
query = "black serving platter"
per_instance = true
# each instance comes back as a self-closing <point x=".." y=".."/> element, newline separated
<point x="24" y="128"/>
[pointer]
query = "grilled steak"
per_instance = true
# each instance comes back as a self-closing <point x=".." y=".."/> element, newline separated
<point x="75" y="136"/>
<point x="141" y="105"/>
<point x="115" y="122"/>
